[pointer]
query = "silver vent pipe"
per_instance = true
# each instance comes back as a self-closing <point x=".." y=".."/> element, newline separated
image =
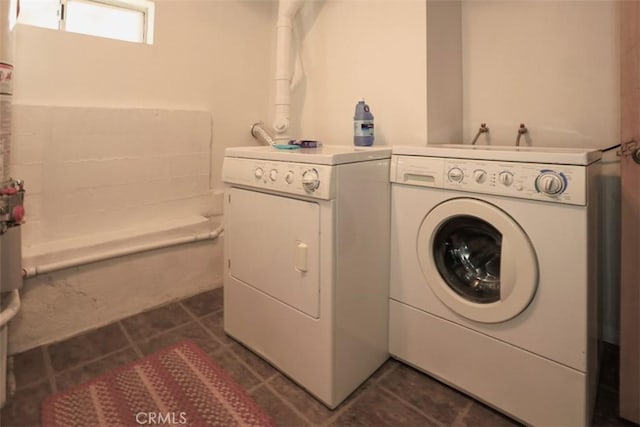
<point x="260" y="132"/>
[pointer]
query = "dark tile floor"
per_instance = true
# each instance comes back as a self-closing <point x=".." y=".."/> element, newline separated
<point x="396" y="395"/>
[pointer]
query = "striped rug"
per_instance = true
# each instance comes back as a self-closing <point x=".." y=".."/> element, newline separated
<point x="179" y="385"/>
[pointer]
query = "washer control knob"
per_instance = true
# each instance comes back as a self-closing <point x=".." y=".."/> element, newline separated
<point x="258" y="173"/>
<point x="480" y="175"/>
<point x="506" y="178"/>
<point x="455" y="175"/>
<point x="310" y="180"/>
<point x="550" y="183"/>
<point x="288" y="178"/>
<point x="273" y="174"/>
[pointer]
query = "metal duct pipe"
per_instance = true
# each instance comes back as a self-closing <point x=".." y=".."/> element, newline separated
<point x="259" y="132"/>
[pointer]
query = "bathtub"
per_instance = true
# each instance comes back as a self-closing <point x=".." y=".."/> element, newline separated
<point x="74" y="286"/>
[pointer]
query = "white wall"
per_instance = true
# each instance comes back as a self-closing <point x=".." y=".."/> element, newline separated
<point x="207" y="55"/>
<point x="98" y="171"/>
<point x="374" y="49"/>
<point x="550" y="64"/>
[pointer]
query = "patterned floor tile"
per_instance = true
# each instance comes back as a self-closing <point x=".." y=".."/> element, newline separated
<point x="189" y="331"/>
<point x="395" y="395"/>
<point x="215" y="323"/>
<point x="376" y="407"/>
<point x="278" y="410"/>
<point x="85" y="347"/>
<point x="426" y="394"/>
<point x="255" y="362"/>
<point x="236" y="369"/>
<point x="205" y="302"/>
<point x="304" y="402"/>
<point x="23" y="409"/>
<point x="29" y="367"/>
<point x="153" y="322"/>
<point x="91" y="370"/>
<point x="386" y="367"/>
<point x="480" y="415"/>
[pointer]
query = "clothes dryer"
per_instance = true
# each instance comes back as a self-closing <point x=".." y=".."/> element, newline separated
<point x="493" y="275"/>
<point x="307" y="261"/>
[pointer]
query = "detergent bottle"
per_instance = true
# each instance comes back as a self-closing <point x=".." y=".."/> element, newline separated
<point x="362" y="125"/>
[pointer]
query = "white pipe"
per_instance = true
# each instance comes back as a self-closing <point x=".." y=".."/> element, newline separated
<point x="28" y="272"/>
<point x="11" y="309"/>
<point x="287" y="10"/>
<point x="298" y="71"/>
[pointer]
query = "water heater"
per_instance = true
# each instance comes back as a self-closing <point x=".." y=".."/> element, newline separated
<point x="11" y="190"/>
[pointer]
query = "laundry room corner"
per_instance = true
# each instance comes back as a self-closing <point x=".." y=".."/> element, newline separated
<point x="381" y="213"/>
<point x="121" y="160"/>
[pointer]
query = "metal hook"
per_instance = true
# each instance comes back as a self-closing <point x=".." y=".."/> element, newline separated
<point x="631" y="148"/>
<point x="521" y="131"/>
<point x="483" y="129"/>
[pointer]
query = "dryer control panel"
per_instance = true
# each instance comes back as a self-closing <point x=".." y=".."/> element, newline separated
<point x="536" y="181"/>
<point x="311" y="180"/>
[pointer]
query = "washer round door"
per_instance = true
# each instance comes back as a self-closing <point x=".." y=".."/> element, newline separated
<point x="477" y="260"/>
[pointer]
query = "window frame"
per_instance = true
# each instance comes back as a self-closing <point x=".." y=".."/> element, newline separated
<point x="146" y="7"/>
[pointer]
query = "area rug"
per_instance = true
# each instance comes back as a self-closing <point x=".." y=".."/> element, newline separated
<point x="179" y="385"/>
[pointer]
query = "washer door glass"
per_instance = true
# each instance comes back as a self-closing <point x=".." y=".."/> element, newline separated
<point x="477" y="260"/>
<point x="467" y="255"/>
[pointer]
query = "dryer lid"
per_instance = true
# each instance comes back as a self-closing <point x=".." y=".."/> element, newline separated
<point x="322" y="155"/>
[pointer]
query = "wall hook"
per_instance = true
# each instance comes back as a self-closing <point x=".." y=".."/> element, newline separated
<point x="631" y="148"/>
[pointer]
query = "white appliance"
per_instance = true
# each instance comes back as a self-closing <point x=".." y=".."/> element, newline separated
<point x="307" y="261"/>
<point x="493" y="275"/>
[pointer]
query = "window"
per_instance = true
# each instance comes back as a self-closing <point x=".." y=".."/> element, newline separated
<point x="130" y="20"/>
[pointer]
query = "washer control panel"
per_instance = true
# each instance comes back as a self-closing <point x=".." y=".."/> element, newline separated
<point x="301" y="179"/>
<point x="536" y="181"/>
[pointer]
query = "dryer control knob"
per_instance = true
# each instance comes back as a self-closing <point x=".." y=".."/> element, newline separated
<point x="273" y="174"/>
<point x="480" y="175"/>
<point x="288" y="178"/>
<point x="258" y="173"/>
<point x="550" y="183"/>
<point x="506" y="178"/>
<point x="310" y="180"/>
<point x="455" y="175"/>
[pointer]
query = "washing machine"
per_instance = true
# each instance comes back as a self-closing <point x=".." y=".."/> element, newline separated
<point x="307" y="261"/>
<point x="493" y="277"/>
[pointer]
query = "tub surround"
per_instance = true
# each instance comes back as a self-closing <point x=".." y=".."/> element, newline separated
<point x="63" y="303"/>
